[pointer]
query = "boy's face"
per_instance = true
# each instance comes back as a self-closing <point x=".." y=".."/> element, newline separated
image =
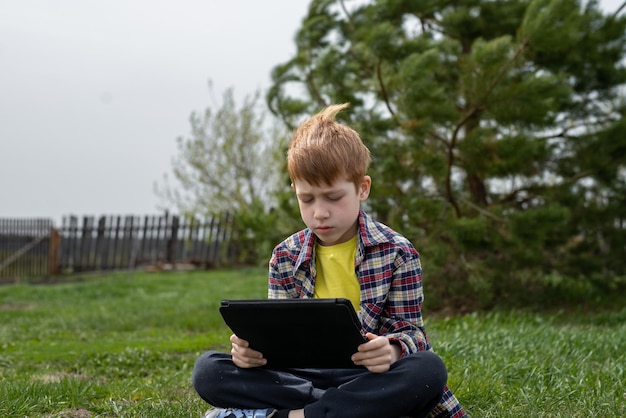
<point x="331" y="211"/>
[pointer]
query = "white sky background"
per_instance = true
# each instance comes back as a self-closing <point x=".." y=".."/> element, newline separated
<point x="93" y="94"/>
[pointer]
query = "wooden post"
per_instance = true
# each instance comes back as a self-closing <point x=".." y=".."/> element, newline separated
<point x="53" y="251"/>
<point x="172" y="245"/>
<point x="101" y="245"/>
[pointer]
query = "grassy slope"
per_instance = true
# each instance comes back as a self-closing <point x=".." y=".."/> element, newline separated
<point x="124" y="345"/>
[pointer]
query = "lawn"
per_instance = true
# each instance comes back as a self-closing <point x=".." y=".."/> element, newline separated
<point x="123" y="345"/>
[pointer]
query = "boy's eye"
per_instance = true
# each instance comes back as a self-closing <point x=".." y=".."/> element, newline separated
<point x="311" y="199"/>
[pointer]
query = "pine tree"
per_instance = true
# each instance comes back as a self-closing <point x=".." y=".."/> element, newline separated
<point x="497" y="129"/>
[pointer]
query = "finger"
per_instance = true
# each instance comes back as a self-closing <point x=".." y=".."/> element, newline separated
<point x="375" y="343"/>
<point x="247" y="356"/>
<point x="246" y="351"/>
<point x="239" y="341"/>
<point x="370" y="336"/>
<point x="378" y="368"/>
<point x="371" y="356"/>
<point x="245" y="361"/>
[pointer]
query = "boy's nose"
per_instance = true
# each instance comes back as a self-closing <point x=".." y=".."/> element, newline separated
<point x="320" y="213"/>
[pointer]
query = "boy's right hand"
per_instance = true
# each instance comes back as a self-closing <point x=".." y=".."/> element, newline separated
<point x="244" y="356"/>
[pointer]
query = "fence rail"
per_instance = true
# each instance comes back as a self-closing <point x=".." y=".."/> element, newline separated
<point x="34" y="247"/>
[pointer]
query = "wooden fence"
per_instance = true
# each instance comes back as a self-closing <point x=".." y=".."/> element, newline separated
<point x="35" y="247"/>
<point x="25" y="248"/>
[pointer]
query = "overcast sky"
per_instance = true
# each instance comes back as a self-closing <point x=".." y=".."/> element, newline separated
<point x="93" y="94"/>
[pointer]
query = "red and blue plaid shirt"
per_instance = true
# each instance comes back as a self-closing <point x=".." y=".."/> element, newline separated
<point x="390" y="275"/>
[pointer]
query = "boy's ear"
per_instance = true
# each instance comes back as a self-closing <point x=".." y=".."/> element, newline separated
<point x="293" y="186"/>
<point x="364" y="189"/>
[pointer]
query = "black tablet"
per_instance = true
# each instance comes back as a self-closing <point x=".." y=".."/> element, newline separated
<point x="297" y="333"/>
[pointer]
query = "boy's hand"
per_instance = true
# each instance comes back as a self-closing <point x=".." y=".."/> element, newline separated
<point x="377" y="355"/>
<point x="244" y="356"/>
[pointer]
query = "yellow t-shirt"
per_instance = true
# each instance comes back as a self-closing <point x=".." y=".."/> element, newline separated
<point x="335" y="272"/>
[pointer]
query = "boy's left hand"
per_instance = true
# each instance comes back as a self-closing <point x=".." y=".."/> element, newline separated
<point x="377" y="355"/>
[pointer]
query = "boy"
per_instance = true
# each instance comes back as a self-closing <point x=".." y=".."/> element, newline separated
<point x="342" y="253"/>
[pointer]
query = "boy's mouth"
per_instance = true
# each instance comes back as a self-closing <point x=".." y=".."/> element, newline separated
<point x="323" y="229"/>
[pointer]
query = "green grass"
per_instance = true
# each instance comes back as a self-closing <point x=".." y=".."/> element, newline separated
<point x="123" y="345"/>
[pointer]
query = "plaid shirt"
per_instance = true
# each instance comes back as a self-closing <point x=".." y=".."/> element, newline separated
<point x="390" y="275"/>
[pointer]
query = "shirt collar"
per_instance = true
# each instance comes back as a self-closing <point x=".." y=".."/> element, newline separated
<point x="369" y="234"/>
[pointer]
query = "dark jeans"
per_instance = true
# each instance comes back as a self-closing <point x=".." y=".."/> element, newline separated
<point x="411" y="387"/>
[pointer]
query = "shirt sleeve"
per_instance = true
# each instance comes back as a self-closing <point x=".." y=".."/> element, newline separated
<point x="277" y="283"/>
<point x="401" y="319"/>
